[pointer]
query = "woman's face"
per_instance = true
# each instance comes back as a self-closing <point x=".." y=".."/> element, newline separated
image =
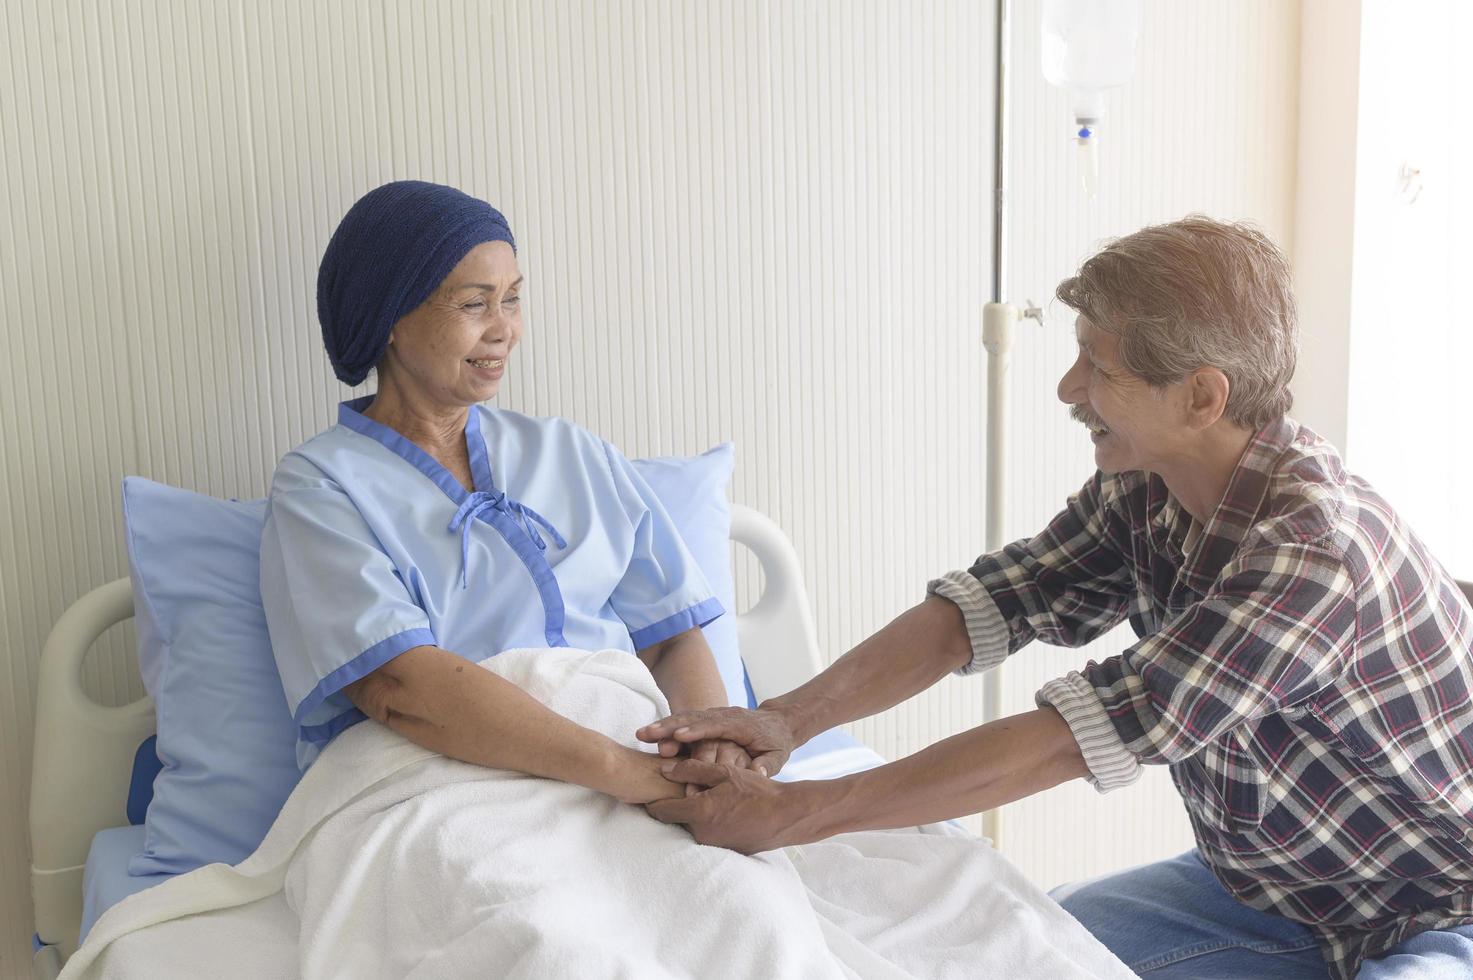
<point x="452" y="349"/>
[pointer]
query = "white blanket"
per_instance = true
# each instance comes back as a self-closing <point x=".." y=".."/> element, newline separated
<point x="397" y="862"/>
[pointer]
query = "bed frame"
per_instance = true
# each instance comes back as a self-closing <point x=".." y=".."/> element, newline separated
<point x="84" y="751"/>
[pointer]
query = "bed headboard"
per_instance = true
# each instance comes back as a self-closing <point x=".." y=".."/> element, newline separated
<point x="84" y="751"/>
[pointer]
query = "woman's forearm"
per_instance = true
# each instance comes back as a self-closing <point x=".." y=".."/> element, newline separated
<point x="444" y="702"/>
<point x="685" y="671"/>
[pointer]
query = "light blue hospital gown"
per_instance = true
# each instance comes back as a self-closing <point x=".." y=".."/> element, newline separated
<point x="371" y="547"/>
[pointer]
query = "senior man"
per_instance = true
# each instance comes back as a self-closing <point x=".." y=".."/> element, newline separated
<point x="1302" y="663"/>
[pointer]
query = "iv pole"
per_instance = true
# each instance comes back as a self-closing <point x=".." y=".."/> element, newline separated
<point x="999" y="322"/>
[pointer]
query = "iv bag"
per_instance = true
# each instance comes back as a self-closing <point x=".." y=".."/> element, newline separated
<point x="1088" y="47"/>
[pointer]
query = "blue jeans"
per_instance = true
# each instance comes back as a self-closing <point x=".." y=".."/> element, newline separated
<point x="1173" y="920"/>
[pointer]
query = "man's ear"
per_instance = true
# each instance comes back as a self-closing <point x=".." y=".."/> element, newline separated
<point x="1207" y="396"/>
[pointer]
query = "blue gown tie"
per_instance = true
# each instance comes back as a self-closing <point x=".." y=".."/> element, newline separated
<point x="482" y="500"/>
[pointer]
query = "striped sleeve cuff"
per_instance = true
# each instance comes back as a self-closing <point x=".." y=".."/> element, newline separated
<point x="985" y="627"/>
<point x="1111" y="764"/>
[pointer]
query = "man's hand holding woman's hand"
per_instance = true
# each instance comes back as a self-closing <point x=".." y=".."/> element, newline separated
<point x="730" y="804"/>
<point x="714" y="751"/>
<point x="764" y="736"/>
<point x="644" y="777"/>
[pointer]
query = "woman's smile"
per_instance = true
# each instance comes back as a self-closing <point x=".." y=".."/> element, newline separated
<point x="489" y="368"/>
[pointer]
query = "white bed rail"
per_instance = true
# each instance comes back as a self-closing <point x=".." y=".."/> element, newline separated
<point x="776" y="636"/>
<point x="84" y="751"/>
<point x="82" y="763"/>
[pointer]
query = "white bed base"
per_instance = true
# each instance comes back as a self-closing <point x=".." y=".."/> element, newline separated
<point x="84" y="751"/>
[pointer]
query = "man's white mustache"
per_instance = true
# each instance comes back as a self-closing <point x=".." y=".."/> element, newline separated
<point x="1079" y="414"/>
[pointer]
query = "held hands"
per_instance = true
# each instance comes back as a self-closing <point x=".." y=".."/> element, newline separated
<point x="715" y="751"/>
<point x="643" y="777"/>
<point x="728" y="799"/>
<point x="764" y="735"/>
<point x="741" y="810"/>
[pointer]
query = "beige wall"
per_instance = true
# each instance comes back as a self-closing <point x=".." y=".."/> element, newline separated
<point x="1324" y="215"/>
<point x="1409" y="343"/>
<point x="1380" y="260"/>
<point x="761" y="221"/>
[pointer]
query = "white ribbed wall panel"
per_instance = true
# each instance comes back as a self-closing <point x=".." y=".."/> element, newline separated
<point x="765" y="221"/>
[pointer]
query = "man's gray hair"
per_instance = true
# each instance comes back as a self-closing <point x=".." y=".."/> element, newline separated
<point x="1197" y="293"/>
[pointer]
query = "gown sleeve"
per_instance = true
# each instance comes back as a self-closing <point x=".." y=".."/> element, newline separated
<point x="336" y="607"/>
<point x="662" y="592"/>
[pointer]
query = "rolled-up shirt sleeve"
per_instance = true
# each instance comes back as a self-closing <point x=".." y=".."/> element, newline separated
<point x="1067" y="585"/>
<point x="1111" y="764"/>
<point x="1275" y="629"/>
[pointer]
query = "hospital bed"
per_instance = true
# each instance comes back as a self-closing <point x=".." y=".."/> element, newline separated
<point x="93" y="764"/>
<point x="928" y="901"/>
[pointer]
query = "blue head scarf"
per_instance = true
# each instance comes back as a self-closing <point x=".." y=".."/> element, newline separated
<point x="392" y="249"/>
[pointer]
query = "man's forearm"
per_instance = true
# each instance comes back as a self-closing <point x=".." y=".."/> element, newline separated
<point x="977" y="770"/>
<point x="917" y="648"/>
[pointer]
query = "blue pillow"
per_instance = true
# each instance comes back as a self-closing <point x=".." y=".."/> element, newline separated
<point x="693" y="490"/>
<point x="225" y="737"/>
<point x="226" y="740"/>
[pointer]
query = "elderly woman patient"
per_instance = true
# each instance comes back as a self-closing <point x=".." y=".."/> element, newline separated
<point x="425" y="530"/>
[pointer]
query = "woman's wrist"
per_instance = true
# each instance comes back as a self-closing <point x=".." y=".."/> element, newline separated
<point x="634" y="776"/>
<point x="607" y="768"/>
